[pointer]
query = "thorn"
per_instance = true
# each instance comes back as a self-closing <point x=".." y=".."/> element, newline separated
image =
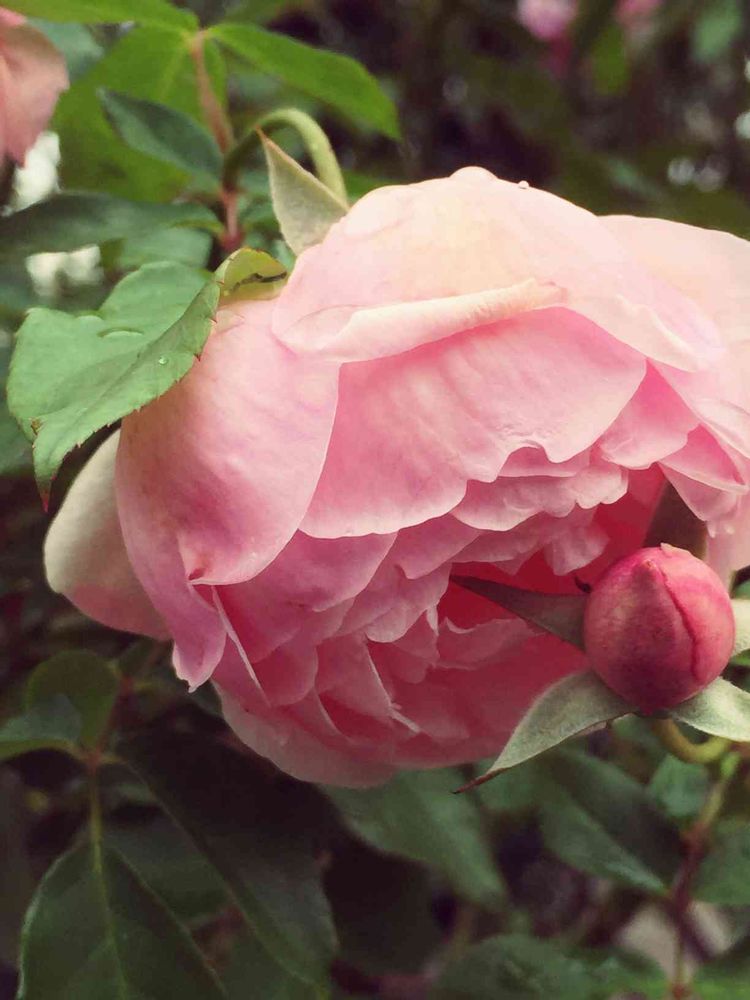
<point x="476" y="782"/>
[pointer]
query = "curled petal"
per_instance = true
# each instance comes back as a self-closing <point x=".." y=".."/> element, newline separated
<point x="516" y="235"/>
<point x="85" y="557"/>
<point x="415" y="429"/>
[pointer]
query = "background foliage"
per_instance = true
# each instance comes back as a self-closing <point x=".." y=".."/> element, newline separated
<point x="144" y="855"/>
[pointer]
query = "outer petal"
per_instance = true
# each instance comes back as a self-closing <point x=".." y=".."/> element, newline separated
<point x="414" y="429"/>
<point x="493" y="235"/>
<point x="227" y="461"/>
<point x="34" y="77"/>
<point x="710" y="267"/>
<point x="85" y="556"/>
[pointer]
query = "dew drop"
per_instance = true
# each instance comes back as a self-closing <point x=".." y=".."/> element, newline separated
<point x="524" y="185"/>
<point x="162" y="361"/>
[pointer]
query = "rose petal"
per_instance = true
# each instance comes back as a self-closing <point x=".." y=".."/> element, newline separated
<point x="525" y="235"/>
<point x="416" y="428"/>
<point x="710" y="267"/>
<point x="655" y="423"/>
<point x="225" y="471"/>
<point x="85" y="557"/>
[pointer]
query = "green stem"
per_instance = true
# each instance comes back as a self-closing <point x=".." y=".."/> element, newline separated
<point x="680" y="746"/>
<point x="215" y="114"/>
<point x="316" y="143"/>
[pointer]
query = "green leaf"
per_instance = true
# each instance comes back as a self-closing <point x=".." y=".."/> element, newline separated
<point x="147" y="62"/>
<point x="159" y="12"/>
<point x="69" y="221"/>
<point x="72" y="375"/>
<point x="726" y="977"/>
<point x="168" y="862"/>
<point x="76" y="42"/>
<point x="249" y="963"/>
<point x="568" y="708"/>
<point x="382" y="907"/>
<point x="336" y="80"/>
<point x="716" y="27"/>
<point x="17" y="875"/>
<point x="178" y="246"/>
<point x="94" y="931"/>
<point x="515" y="967"/>
<point x="721" y="709"/>
<point x="559" y="614"/>
<point x="679" y="789"/>
<point x="88" y="682"/>
<point x="164" y="133"/>
<point x="14" y="449"/>
<point x="599" y="820"/>
<point x="51" y="725"/>
<point x="724" y="873"/>
<point x="305" y="208"/>
<point x="415" y="816"/>
<point x="256" y="833"/>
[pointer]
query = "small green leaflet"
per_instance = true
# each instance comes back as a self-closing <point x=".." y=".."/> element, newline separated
<point x="568" y="708"/>
<point x="73" y="375"/>
<point x="337" y="80"/>
<point x="251" y="274"/>
<point x="304" y="207"/>
<point x="164" y="133"/>
<point x="50" y="725"/>
<point x="721" y="709"/>
<point x="559" y="614"/>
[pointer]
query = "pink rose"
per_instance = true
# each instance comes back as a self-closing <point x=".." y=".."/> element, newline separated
<point x="659" y="627"/>
<point x="32" y="77"/>
<point x="465" y="373"/>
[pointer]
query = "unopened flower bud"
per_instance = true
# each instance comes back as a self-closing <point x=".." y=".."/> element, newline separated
<point x="659" y="627"/>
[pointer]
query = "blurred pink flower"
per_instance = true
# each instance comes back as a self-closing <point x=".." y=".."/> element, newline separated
<point x="32" y="77"/>
<point x="465" y="373"/>
<point x="659" y="627"/>
<point x="547" y="19"/>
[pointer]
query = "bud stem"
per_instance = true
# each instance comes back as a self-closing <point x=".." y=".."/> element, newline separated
<point x="680" y="746"/>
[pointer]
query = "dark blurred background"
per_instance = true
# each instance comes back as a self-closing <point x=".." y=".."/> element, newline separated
<point x="620" y="106"/>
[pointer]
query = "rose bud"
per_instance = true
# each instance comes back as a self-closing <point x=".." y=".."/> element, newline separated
<point x="466" y="376"/>
<point x="659" y="627"/>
